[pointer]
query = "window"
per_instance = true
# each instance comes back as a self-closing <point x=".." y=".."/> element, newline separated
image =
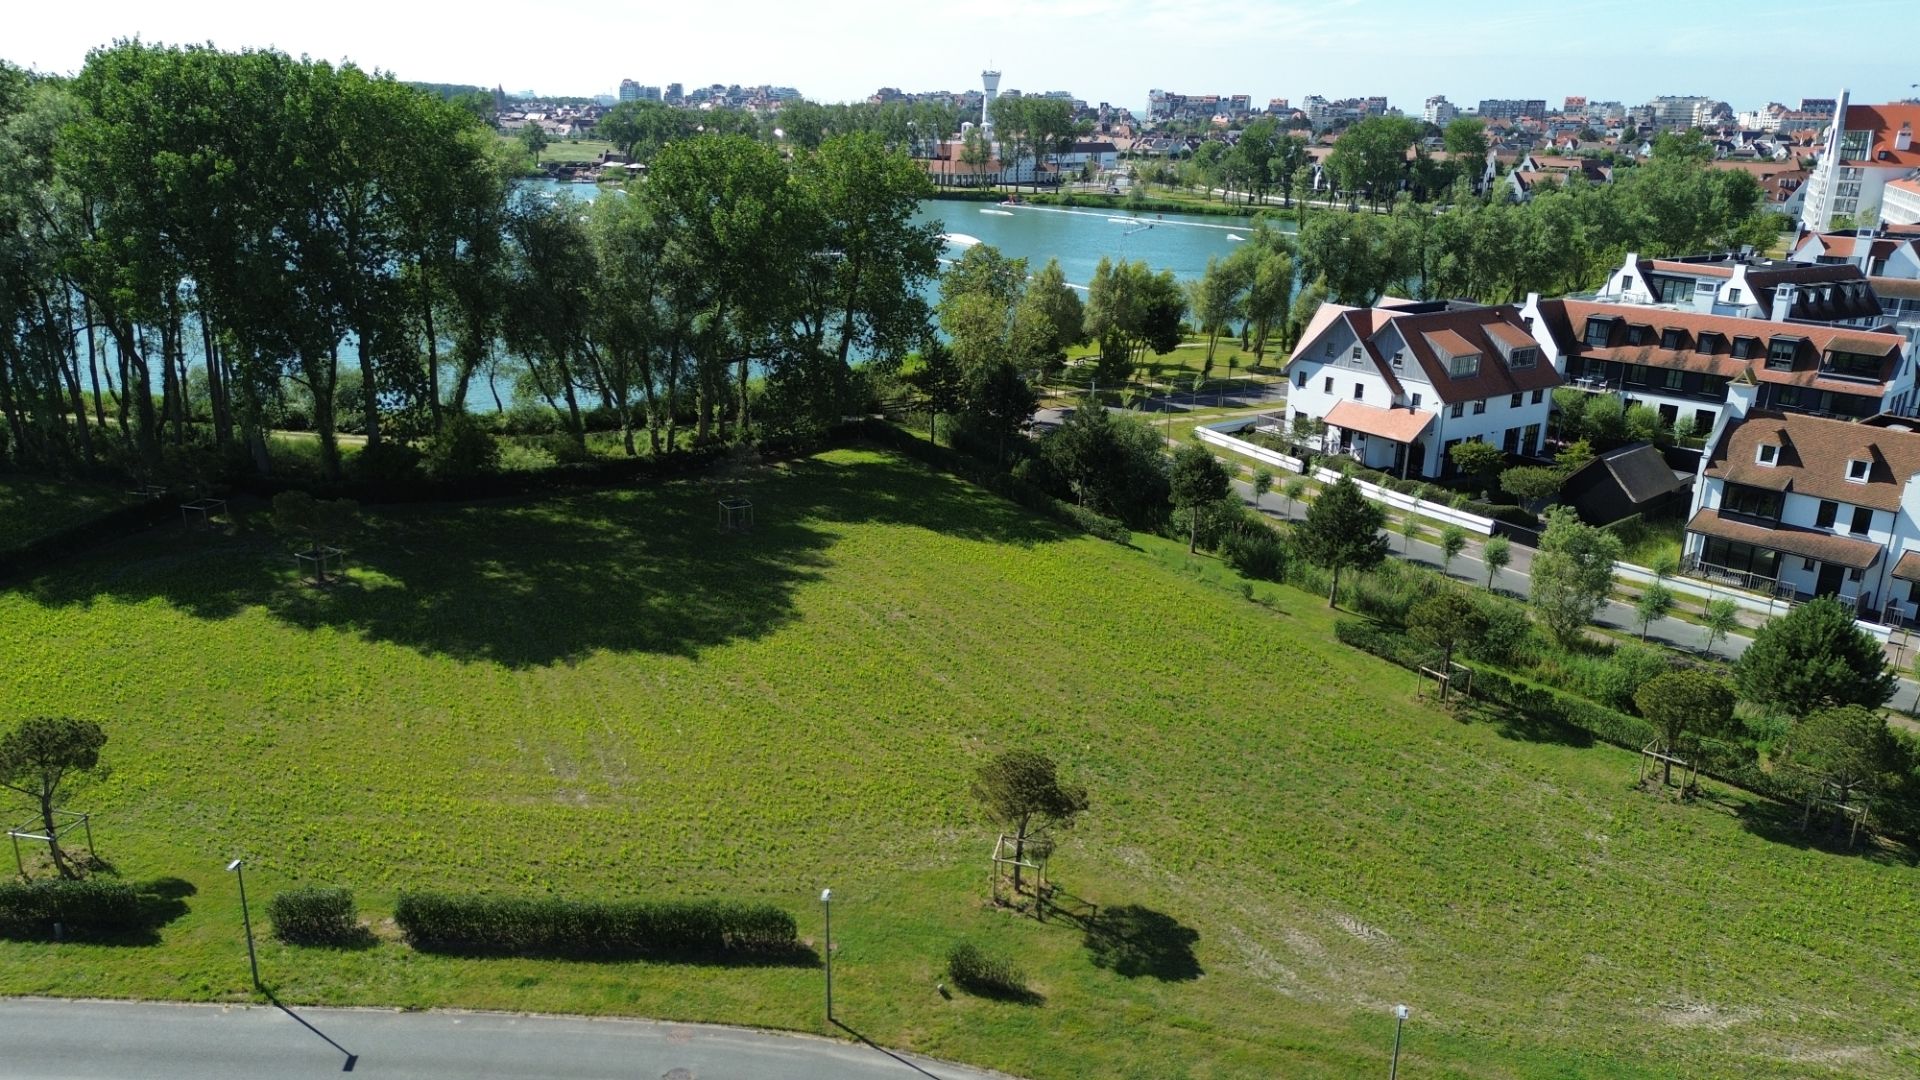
<point x="1780" y="353"/>
<point x="1743" y="347"/>
<point x="1359" y="391"/>
<point x="1862" y="521"/>
<point x="1733" y="297"/>
<point x="1597" y="331"/>
<point x="1637" y="334"/>
<point x="1300" y="380"/>
<point x="1823" y="519"/>
<point x="1458" y="408"/>
<point x="1733" y="555"/>
<point x="1399" y="359"/>
<point x="1524" y="358"/>
<point x="1463" y="367"/>
<point x="1857" y="471"/>
<point x="1767" y="454"/>
<point x="1514" y="401"/>
<point x="1355" y="355"/>
<point x="1539" y="396"/>
<point x="1853" y="365"/>
<point x="1675" y="379"/>
<point x="1671" y="338"/>
<point x="1480" y="406"/>
<point x="1414" y="402"/>
<point x="1853" y="573"/>
<point x="1806" y="564"/>
<point x="1751" y="502"/>
<point x="1711" y="341"/>
<point x="1327" y="386"/>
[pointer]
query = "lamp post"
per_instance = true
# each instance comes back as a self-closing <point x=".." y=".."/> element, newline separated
<point x="246" y="919"/>
<point x="826" y="908"/>
<point x="1399" y="1021"/>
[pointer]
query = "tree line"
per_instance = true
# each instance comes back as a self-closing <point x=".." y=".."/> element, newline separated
<point x="193" y="242"/>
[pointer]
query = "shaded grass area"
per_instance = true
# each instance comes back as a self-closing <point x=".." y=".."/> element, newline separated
<point x="602" y="696"/>
<point x="34" y="506"/>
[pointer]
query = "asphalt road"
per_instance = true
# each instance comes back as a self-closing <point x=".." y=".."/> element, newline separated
<point x="85" y="1040"/>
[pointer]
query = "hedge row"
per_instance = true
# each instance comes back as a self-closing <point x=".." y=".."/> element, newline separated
<point x="87" y="908"/>
<point x="315" y="915"/>
<point x="548" y="926"/>
<point x="1726" y="762"/>
<point x="994" y="479"/>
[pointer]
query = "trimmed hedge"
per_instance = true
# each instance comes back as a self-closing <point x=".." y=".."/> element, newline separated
<point x="976" y="972"/>
<point x="86" y="908"/>
<point x="549" y="926"/>
<point x="315" y="915"/>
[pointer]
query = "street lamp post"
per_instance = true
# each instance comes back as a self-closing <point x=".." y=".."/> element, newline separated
<point x="826" y="908"/>
<point x="1399" y="1021"/>
<point x="246" y="919"/>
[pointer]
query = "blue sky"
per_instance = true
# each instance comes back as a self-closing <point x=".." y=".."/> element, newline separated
<point x="1115" y="50"/>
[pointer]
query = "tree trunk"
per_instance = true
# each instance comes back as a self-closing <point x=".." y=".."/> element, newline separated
<point x="1333" y="591"/>
<point x="433" y="352"/>
<point x="369" y="387"/>
<point x="59" y="857"/>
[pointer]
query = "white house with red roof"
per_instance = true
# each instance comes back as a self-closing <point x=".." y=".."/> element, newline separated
<point x="1877" y="254"/>
<point x="1900" y="203"/>
<point x="1803" y="506"/>
<point x="1400" y="384"/>
<point x="1867" y="147"/>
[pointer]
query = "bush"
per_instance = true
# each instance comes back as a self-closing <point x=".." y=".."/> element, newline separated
<point x="1256" y="555"/>
<point x="387" y="463"/>
<point x="315" y="915"/>
<point x="548" y="926"/>
<point x="86" y="908"/>
<point x="564" y="448"/>
<point x="976" y="972"/>
<point x="461" y="449"/>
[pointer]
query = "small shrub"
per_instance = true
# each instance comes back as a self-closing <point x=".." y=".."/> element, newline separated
<point x="976" y="972"/>
<point x="86" y="908"/>
<point x="564" y="448"/>
<point x="461" y="449"/>
<point x="1256" y="555"/>
<point x="315" y="915"/>
<point x="387" y="463"/>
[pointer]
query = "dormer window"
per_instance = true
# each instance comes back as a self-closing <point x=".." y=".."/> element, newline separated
<point x="1670" y="339"/>
<point x="1597" y="330"/>
<point x="1463" y="367"/>
<point x="1768" y="454"/>
<point x="1710" y="342"/>
<point x="1355" y="355"/>
<point x="1399" y="359"/>
<point x="1857" y="471"/>
<point x="1780" y="353"/>
<point x="1636" y="335"/>
<point x="1524" y="358"/>
<point x="1330" y="348"/>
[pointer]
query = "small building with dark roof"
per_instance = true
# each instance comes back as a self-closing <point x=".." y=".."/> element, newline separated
<point x="1624" y="481"/>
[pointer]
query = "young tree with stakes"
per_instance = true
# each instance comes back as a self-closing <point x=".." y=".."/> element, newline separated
<point x="1684" y="707"/>
<point x="1023" y="791"/>
<point x="1444" y="620"/>
<point x="37" y="757"/>
<point x="1814" y="658"/>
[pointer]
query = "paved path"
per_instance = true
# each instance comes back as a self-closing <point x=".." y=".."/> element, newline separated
<point x="84" y="1040"/>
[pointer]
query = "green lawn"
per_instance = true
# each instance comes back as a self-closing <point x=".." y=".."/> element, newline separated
<point x="31" y="506"/>
<point x="599" y="695"/>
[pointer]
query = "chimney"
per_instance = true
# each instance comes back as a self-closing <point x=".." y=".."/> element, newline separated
<point x="1782" y="302"/>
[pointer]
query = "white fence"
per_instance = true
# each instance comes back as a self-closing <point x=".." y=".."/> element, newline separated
<point x="1473" y="523"/>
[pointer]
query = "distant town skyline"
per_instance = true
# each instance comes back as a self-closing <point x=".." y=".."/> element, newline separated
<point x="1100" y="50"/>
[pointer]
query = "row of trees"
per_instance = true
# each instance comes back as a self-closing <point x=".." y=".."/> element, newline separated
<point x="180" y="222"/>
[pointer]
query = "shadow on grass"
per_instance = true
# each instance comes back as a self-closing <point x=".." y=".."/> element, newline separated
<point x="1131" y="941"/>
<point x="359" y="940"/>
<point x="550" y="581"/>
<point x="1012" y="995"/>
<point x="1522" y="726"/>
<point x="1827" y="833"/>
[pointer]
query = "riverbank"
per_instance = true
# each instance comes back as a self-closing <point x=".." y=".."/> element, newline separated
<point x="1155" y="204"/>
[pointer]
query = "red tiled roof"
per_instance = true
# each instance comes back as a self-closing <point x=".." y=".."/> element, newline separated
<point x="1908" y="568"/>
<point x="1813" y="455"/>
<point x="1794" y="540"/>
<point x="1399" y="425"/>
<point x="1570" y="330"/>
<point x="1884" y="121"/>
<point x="1696" y="269"/>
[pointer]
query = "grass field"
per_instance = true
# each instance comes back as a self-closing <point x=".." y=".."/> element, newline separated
<point x="600" y="696"/>
<point x="33" y="506"/>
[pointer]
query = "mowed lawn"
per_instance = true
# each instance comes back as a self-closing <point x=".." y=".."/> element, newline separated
<point x="601" y="695"/>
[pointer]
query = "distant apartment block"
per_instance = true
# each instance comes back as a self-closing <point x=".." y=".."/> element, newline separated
<point x="1511" y="109"/>
<point x="1439" y="110"/>
<point x="1867" y="148"/>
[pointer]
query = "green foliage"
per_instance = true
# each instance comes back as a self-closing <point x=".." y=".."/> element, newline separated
<point x="315" y="915"/>
<point x="592" y="929"/>
<point x="1112" y="465"/>
<point x="1721" y="618"/>
<point x="1847" y="747"/>
<point x="1444" y="620"/>
<point x="1686" y="706"/>
<point x="38" y="756"/>
<point x="1496" y="553"/>
<point x="1453" y="540"/>
<point x="1813" y="658"/>
<point x="1655" y="603"/>
<point x="1531" y="483"/>
<point x="1477" y="459"/>
<point x="1022" y="790"/>
<point x="461" y="449"/>
<point x="1256" y="554"/>
<point x="94" y="908"/>
<point x="1572" y="574"/>
<point x="1196" y="480"/>
<point x="978" y="973"/>
<point x="1342" y="532"/>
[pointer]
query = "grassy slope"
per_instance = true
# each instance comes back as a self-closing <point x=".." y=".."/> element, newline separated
<point x="34" y="506"/>
<point x="600" y="696"/>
